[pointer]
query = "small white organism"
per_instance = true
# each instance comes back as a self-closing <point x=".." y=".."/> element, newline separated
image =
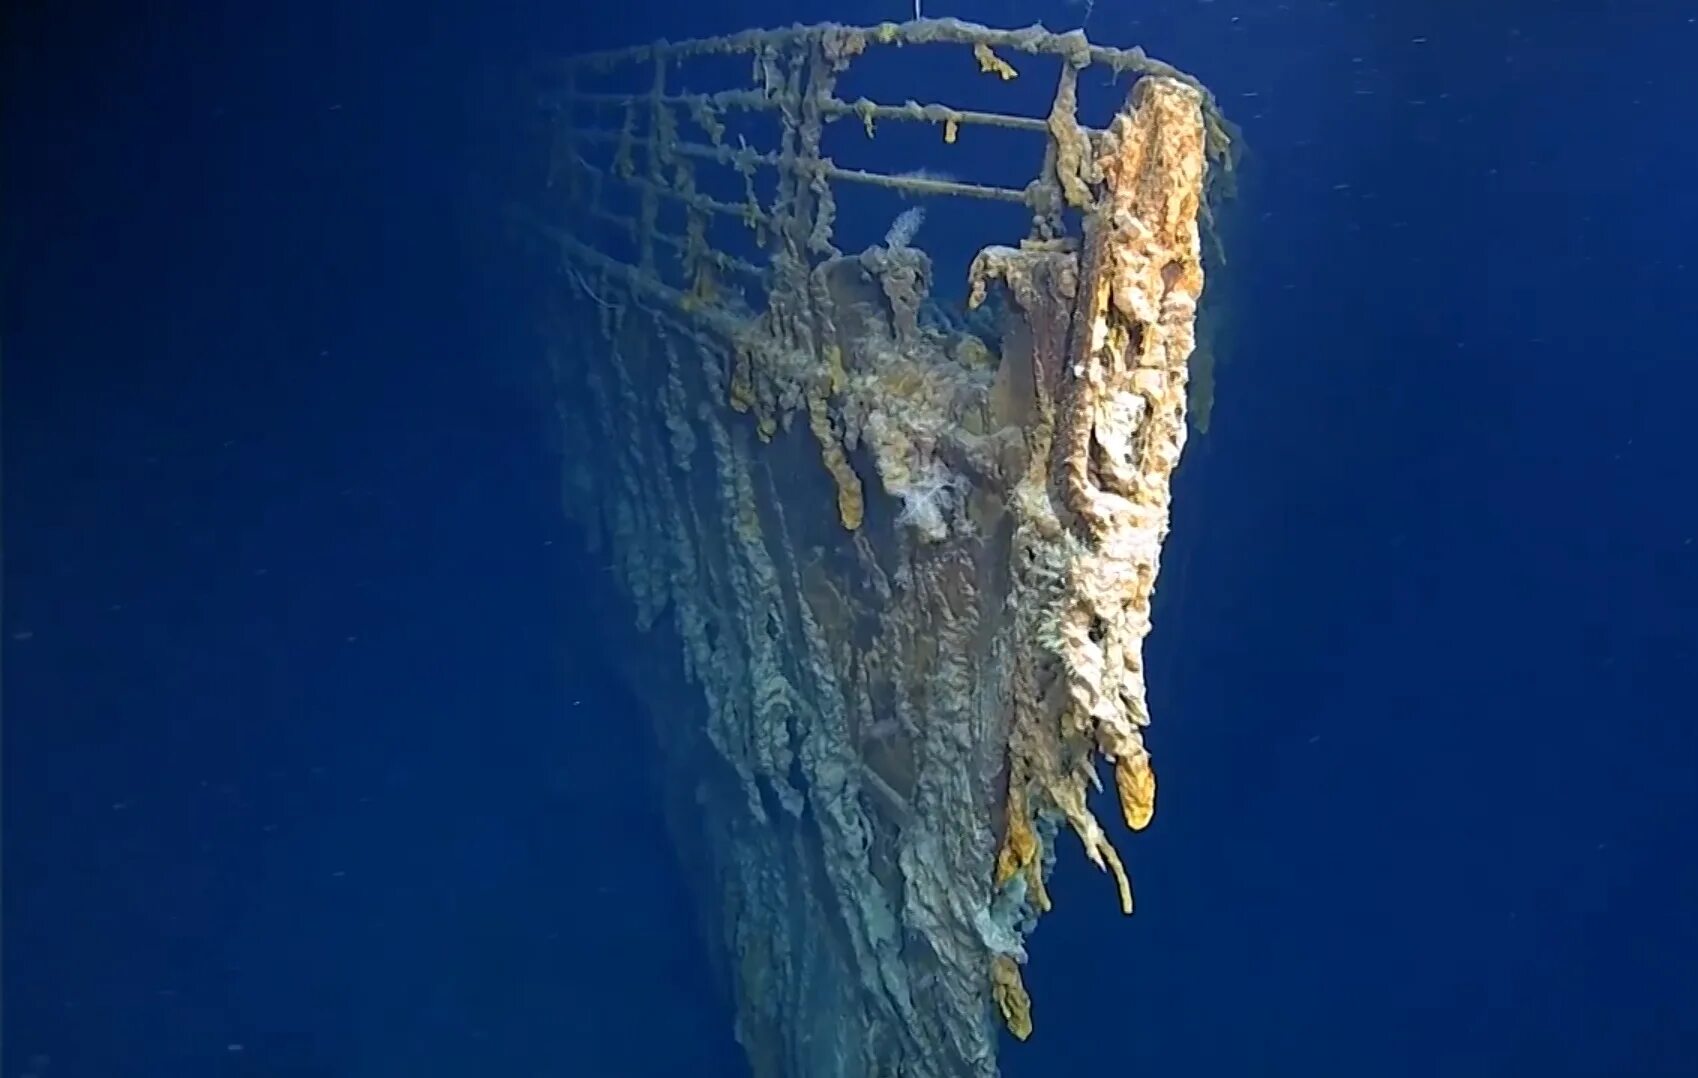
<point x="902" y="229"/>
<point x="929" y="500"/>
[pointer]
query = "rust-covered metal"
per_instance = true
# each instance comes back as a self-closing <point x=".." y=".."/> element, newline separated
<point x="892" y="553"/>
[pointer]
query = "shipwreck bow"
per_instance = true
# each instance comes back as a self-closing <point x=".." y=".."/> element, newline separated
<point x="890" y="542"/>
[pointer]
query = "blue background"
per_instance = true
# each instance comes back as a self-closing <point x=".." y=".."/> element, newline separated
<point x="311" y="768"/>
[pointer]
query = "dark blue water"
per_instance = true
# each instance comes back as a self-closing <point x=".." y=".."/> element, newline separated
<point x="310" y="768"/>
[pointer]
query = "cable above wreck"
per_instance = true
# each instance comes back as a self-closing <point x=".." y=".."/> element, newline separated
<point x="891" y="538"/>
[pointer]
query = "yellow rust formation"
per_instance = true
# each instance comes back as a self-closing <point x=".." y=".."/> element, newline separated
<point x="912" y="625"/>
<point x="992" y="64"/>
<point x="1009" y="991"/>
<point x="850" y="503"/>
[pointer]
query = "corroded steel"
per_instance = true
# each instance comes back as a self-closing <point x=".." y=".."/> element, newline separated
<point x="903" y="545"/>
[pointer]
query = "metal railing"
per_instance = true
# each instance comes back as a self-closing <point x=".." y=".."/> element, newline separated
<point x="611" y="148"/>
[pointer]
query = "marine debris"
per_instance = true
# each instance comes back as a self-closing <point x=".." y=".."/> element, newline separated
<point x="891" y="540"/>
